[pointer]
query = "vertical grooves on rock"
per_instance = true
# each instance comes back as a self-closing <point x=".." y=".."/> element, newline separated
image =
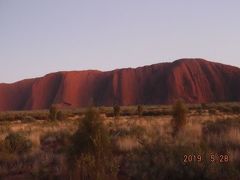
<point x="194" y="80"/>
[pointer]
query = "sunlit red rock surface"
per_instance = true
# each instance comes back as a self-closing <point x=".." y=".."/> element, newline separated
<point x="194" y="80"/>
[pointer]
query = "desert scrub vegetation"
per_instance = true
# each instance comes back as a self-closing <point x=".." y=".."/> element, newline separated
<point x="90" y="155"/>
<point x="16" y="143"/>
<point x="116" y="110"/>
<point x="179" y="119"/>
<point x="163" y="157"/>
<point x="140" y="110"/>
<point x="56" y="141"/>
<point x="93" y="144"/>
<point x="236" y="109"/>
<point x="61" y="115"/>
<point x="163" y="160"/>
<point x="222" y="135"/>
<point x="56" y="113"/>
<point x="53" y="112"/>
<point x="23" y="115"/>
<point x="43" y="160"/>
<point x="13" y="154"/>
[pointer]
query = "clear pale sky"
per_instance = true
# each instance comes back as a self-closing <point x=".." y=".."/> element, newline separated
<point x="39" y="37"/>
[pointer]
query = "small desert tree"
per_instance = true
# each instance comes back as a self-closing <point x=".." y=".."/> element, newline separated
<point x="90" y="156"/>
<point x="179" y="113"/>
<point x="116" y="110"/>
<point x="53" y="113"/>
<point x="140" y="110"/>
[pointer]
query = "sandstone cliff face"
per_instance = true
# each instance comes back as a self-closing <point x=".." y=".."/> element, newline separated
<point x="194" y="80"/>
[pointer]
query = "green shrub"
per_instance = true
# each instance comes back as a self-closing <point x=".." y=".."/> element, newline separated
<point x="16" y="143"/>
<point x="90" y="155"/>
<point x="179" y="116"/>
